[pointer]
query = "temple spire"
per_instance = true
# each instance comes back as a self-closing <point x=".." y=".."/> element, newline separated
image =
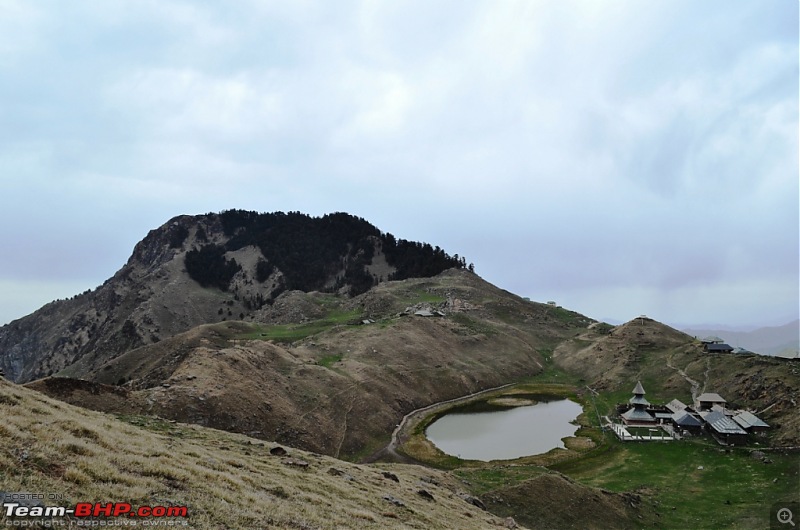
<point x="638" y="398"/>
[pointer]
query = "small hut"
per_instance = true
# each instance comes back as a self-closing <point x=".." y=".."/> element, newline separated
<point x="686" y="421"/>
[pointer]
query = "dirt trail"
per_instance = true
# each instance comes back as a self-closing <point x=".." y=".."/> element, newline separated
<point x="705" y="373"/>
<point x="695" y="385"/>
<point x="344" y="426"/>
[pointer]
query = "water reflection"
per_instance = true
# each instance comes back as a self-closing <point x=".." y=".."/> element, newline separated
<point x="505" y="434"/>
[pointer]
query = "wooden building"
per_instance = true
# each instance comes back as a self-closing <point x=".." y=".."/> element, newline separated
<point x="750" y="422"/>
<point x="717" y="348"/>
<point x="637" y="414"/>
<point x="723" y="429"/>
<point x="708" y="400"/>
<point x="686" y="421"/>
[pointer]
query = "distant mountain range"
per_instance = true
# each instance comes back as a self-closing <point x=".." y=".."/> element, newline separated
<point x="779" y="340"/>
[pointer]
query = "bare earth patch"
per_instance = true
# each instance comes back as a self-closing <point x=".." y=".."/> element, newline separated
<point x="511" y="402"/>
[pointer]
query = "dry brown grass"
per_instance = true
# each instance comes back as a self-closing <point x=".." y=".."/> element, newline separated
<point x="342" y="390"/>
<point x="226" y="480"/>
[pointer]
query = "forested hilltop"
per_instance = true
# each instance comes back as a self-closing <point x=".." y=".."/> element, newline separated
<point x="313" y="253"/>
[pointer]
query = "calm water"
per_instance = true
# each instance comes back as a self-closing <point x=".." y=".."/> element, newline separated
<point x="505" y="434"/>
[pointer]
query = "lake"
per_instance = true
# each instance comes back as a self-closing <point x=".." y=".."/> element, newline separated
<point x="506" y="433"/>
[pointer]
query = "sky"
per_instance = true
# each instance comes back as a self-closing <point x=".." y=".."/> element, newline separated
<point x="620" y="158"/>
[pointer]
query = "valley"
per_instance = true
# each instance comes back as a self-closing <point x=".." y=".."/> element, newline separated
<point x="158" y="388"/>
<point x="674" y="484"/>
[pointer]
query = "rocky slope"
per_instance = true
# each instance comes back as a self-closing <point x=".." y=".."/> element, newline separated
<point x="196" y="270"/>
<point x="225" y="480"/>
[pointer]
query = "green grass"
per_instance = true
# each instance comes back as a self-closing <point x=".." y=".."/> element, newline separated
<point x="327" y="300"/>
<point x="473" y="326"/>
<point x="732" y="490"/>
<point x="329" y="360"/>
<point x="295" y="332"/>
<point x="485" y="479"/>
<point x="645" y="431"/>
<point x="563" y="315"/>
<point x="553" y="374"/>
<point x="419" y="295"/>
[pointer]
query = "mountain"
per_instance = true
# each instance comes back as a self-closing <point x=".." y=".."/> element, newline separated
<point x="210" y="324"/>
<point x="766" y="340"/>
<point x="324" y="380"/>
<point x="202" y="269"/>
<point x="255" y="323"/>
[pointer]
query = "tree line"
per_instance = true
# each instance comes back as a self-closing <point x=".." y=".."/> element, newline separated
<point x="309" y="251"/>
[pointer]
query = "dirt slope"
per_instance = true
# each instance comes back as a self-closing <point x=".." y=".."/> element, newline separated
<point x="225" y="480"/>
<point x="553" y="501"/>
<point x="340" y="389"/>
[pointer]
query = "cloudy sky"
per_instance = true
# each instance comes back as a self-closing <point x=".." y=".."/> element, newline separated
<point x="621" y="158"/>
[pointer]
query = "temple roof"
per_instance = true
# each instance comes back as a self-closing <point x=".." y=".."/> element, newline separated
<point x="639" y="390"/>
<point x="635" y="414"/>
<point x="722" y="424"/>
<point x="676" y="405"/>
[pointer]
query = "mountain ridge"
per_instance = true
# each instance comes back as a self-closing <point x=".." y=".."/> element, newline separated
<point x="207" y="268"/>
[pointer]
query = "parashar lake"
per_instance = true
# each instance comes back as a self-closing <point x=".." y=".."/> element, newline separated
<point x="484" y="431"/>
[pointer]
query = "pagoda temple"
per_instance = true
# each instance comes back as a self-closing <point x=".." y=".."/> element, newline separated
<point x="637" y="414"/>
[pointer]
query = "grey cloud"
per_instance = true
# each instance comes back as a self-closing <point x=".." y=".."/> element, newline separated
<point x="572" y="151"/>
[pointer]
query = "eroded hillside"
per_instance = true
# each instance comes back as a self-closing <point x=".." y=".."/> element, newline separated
<point x="203" y="269"/>
<point x="344" y="371"/>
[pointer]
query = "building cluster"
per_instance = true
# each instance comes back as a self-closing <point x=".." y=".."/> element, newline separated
<point x="708" y="414"/>
<point x="718" y="345"/>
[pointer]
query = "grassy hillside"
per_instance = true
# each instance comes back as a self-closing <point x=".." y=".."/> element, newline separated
<point x="225" y="480"/>
<point x="318" y="378"/>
